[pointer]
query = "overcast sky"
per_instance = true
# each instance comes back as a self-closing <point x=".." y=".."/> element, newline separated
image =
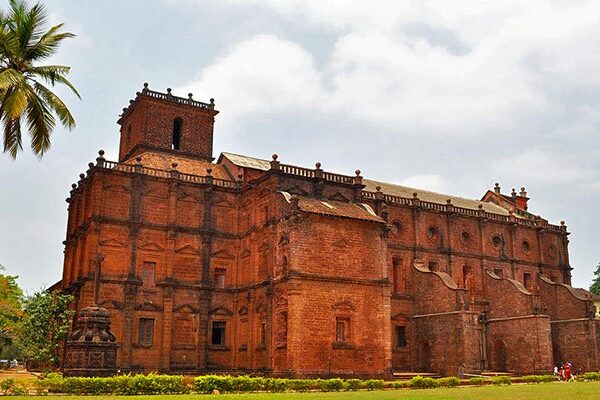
<point x="443" y="95"/>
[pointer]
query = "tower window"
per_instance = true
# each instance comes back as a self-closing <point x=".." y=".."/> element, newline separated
<point x="177" y="124"/>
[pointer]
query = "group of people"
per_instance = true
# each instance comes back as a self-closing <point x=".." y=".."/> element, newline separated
<point x="565" y="372"/>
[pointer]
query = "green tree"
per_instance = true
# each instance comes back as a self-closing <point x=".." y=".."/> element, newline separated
<point x="11" y="296"/>
<point x="25" y="98"/>
<point x="44" y="326"/>
<point x="595" y="288"/>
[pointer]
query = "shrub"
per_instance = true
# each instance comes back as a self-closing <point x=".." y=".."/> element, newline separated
<point x="332" y="385"/>
<point x="538" y="378"/>
<point x="477" y="381"/>
<point x="209" y="383"/>
<point x="418" y="382"/>
<point x="374" y="384"/>
<point x="245" y="383"/>
<point x="10" y="386"/>
<point x="353" y="384"/>
<point x="401" y="384"/>
<point x="300" y="385"/>
<point x="450" y="381"/>
<point x="501" y="380"/>
<point x="591" y="376"/>
<point x="275" y="385"/>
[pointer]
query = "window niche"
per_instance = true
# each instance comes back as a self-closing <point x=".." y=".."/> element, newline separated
<point x="400" y="337"/>
<point x="176" y="139"/>
<point x="148" y="274"/>
<point x="218" y="334"/>
<point x="145" y="332"/>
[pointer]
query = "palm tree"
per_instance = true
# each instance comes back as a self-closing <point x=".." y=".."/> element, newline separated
<point x="24" y="95"/>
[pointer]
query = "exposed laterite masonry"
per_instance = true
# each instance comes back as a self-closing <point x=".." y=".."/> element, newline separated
<point x="248" y="265"/>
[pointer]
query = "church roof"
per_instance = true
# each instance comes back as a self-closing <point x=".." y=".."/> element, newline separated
<point x="193" y="166"/>
<point x="387" y="188"/>
<point x="433" y="197"/>
<point x="335" y="208"/>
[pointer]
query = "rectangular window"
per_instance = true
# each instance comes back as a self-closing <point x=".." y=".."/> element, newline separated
<point x="148" y="274"/>
<point x="467" y="277"/>
<point x="527" y="280"/>
<point x="400" y="336"/>
<point x="397" y="275"/>
<point x="219" y="277"/>
<point x="218" y="333"/>
<point x="342" y="329"/>
<point x="145" y="331"/>
<point x="499" y="272"/>
<point x="263" y="333"/>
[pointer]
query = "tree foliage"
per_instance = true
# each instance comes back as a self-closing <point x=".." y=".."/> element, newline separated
<point x="11" y="296"/>
<point x="44" y="326"/>
<point x="25" y="99"/>
<point x="595" y="288"/>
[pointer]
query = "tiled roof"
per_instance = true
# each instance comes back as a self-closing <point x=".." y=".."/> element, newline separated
<point x="248" y="162"/>
<point x="192" y="166"/>
<point x="387" y="188"/>
<point x="335" y="208"/>
<point x="432" y="197"/>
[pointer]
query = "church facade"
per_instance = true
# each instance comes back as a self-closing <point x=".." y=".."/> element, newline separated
<point x="250" y="265"/>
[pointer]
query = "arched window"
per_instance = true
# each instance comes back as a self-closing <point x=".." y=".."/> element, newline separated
<point x="177" y="125"/>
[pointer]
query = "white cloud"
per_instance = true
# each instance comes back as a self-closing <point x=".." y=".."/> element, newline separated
<point x="432" y="182"/>
<point x="263" y="74"/>
<point x="433" y="68"/>
<point x="539" y="167"/>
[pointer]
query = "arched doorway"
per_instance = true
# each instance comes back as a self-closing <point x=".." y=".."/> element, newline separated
<point x="424" y="356"/>
<point x="499" y="356"/>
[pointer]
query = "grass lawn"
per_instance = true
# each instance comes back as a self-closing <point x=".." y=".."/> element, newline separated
<point x="570" y="391"/>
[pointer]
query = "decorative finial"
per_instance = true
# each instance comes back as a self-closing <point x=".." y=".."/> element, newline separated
<point x="448" y="201"/>
<point x="497" y="188"/>
<point x="174" y="165"/>
<point x="190" y="96"/>
<point x="81" y="176"/>
<point x="138" y="159"/>
<point x="378" y="188"/>
<point x="562" y="223"/>
<point x="480" y="206"/>
<point x="357" y="172"/>
<point x="125" y="109"/>
<point x="318" y="165"/>
<point x="145" y="85"/>
<point x="208" y="171"/>
<point x="274" y="156"/>
<point x="101" y="153"/>
<point x="415" y="195"/>
<point x="523" y="193"/>
<point x="168" y="90"/>
<point x="74" y="185"/>
<point x="513" y="192"/>
<point x="240" y="176"/>
<point x="212" y="101"/>
<point x="130" y="101"/>
<point x="91" y="164"/>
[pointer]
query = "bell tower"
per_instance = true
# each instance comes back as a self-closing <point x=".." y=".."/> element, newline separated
<point x="163" y="122"/>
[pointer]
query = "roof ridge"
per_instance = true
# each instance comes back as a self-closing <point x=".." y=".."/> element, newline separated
<point x="424" y="190"/>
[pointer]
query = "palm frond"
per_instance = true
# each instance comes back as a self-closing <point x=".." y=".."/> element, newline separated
<point x="47" y="44"/>
<point x="40" y="123"/>
<point x="54" y="74"/>
<point x="15" y="100"/>
<point x="12" y="136"/>
<point x="10" y="77"/>
<point x="56" y="104"/>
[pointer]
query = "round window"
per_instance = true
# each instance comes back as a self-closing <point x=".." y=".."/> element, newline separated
<point x="465" y="237"/>
<point x="395" y="228"/>
<point x="432" y="232"/>
<point x="497" y="241"/>
<point x="525" y="246"/>
<point x="552" y="251"/>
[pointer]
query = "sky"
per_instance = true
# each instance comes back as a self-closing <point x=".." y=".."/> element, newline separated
<point x="450" y="96"/>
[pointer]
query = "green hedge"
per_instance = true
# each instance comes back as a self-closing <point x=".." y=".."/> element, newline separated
<point x="176" y="384"/>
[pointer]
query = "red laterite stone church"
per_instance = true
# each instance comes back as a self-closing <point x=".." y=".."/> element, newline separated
<point x="245" y="265"/>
